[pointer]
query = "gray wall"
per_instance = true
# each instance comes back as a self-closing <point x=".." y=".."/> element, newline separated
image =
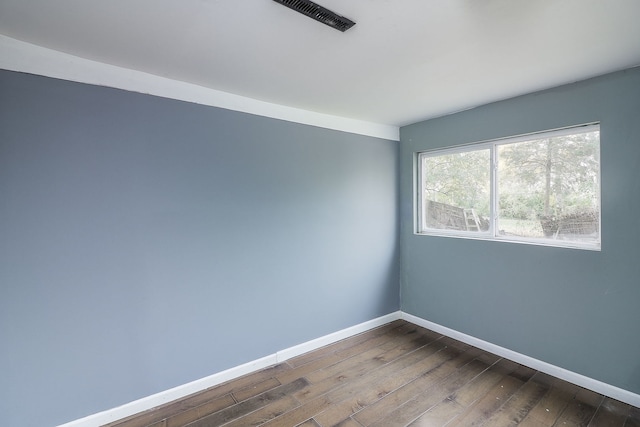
<point x="147" y="242"/>
<point x="576" y="309"/>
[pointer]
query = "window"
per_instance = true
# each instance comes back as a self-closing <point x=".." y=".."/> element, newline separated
<point x="541" y="189"/>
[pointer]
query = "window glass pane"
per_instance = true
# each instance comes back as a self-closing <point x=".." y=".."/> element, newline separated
<point x="456" y="192"/>
<point x="548" y="188"/>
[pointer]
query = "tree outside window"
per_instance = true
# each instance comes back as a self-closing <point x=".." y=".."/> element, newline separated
<point x="539" y="189"/>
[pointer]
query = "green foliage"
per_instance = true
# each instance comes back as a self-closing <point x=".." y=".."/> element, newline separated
<point x="459" y="179"/>
<point x="548" y="181"/>
<point x="520" y="206"/>
<point x="549" y="177"/>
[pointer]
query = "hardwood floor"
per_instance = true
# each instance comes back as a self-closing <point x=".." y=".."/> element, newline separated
<point x="396" y="375"/>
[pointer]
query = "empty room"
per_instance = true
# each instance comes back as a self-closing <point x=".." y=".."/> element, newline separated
<point x="333" y="213"/>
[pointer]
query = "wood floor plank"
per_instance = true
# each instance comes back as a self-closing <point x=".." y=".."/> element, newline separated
<point x="255" y="389"/>
<point x="576" y="414"/>
<point x="532" y="422"/>
<point x="439" y="415"/>
<point x="192" y="414"/>
<point x="301" y="413"/>
<point x="552" y="404"/>
<point x="384" y="363"/>
<point x="354" y="366"/>
<point x="191" y="411"/>
<point x="469" y="393"/>
<point x="346" y="344"/>
<point x="486" y="406"/>
<point x="341" y="392"/>
<point x="589" y="397"/>
<point x="375" y="357"/>
<point x="243" y="408"/>
<point x="250" y="379"/>
<point x="266" y="413"/>
<point x="525" y="373"/>
<point x="333" y="358"/>
<point x="519" y="405"/>
<point x="432" y="395"/>
<point x="338" y="393"/>
<point x="325" y="381"/>
<point x="396" y="375"/>
<point x="455" y="403"/>
<point x="349" y="422"/>
<point x="610" y="413"/>
<point x="633" y="420"/>
<point x="210" y="398"/>
<point x="442" y="362"/>
<point x="199" y="398"/>
<point x="379" y="383"/>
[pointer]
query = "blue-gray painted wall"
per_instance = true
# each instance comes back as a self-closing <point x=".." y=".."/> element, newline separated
<point x="148" y="242"/>
<point x="576" y="309"/>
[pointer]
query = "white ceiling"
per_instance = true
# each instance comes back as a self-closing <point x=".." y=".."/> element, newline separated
<point x="404" y="60"/>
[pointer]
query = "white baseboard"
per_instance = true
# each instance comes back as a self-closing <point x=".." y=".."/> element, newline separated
<point x="172" y="394"/>
<point x="336" y="336"/>
<point x="166" y="396"/>
<point x="564" y="374"/>
<point x="184" y="390"/>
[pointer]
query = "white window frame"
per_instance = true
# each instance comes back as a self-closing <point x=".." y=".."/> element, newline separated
<point x="491" y="234"/>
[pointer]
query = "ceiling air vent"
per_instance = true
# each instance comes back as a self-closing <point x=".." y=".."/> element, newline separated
<point x="319" y="13"/>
